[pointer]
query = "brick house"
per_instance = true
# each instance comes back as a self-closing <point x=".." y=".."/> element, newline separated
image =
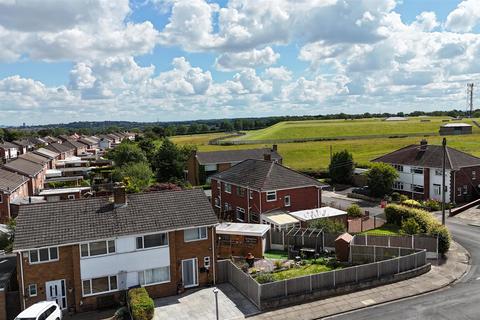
<point x="420" y="172"/>
<point x="12" y="186"/>
<point x="65" y="150"/>
<point x="255" y="187"/>
<point x="52" y="155"/>
<point x="202" y="165"/>
<point x="35" y="173"/>
<point x="79" y="148"/>
<point x="37" y="158"/>
<point x="91" y="250"/>
<point x="8" y="151"/>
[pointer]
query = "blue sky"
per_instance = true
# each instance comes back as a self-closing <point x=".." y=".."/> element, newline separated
<point x="172" y="60"/>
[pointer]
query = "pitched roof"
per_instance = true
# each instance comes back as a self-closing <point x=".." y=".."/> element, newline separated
<point x="60" y="147"/>
<point x="73" y="143"/>
<point x="8" y="145"/>
<point x="46" y="153"/>
<point x="430" y="157"/>
<point x="265" y="175"/>
<point x="229" y="156"/>
<point x="24" y="167"/>
<point x="96" y="218"/>
<point x="10" y="181"/>
<point x="23" y="143"/>
<point x="35" y="158"/>
<point x="87" y="141"/>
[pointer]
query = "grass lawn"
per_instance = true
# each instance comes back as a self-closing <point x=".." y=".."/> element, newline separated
<point x="385" y="230"/>
<point x="197" y="139"/>
<point x="300" y="271"/>
<point x="349" y="128"/>
<point x="276" y="254"/>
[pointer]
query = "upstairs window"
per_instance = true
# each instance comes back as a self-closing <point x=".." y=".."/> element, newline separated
<point x="195" y="234"/>
<point x="97" y="248"/>
<point x="417" y="188"/>
<point x="240" y="192"/>
<point x="398" y="167"/>
<point x="152" y="241"/>
<point x="271" y="196"/>
<point x="416" y="170"/>
<point x="43" y="255"/>
<point x="397" y="185"/>
<point x="228" y="188"/>
<point x="438" y="172"/>
<point x="286" y="201"/>
<point x="240" y="214"/>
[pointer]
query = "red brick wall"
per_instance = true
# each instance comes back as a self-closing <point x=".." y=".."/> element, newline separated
<point x="465" y="177"/>
<point x="237" y="247"/>
<point x="426" y="183"/>
<point x="22" y="191"/>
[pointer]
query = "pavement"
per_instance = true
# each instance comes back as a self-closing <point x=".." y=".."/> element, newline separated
<point x="440" y="276"/>
<point x="471" y="216"/>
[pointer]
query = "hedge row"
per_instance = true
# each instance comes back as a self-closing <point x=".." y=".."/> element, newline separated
<point x="428" y="224"/>
<point x="141" y="304"/>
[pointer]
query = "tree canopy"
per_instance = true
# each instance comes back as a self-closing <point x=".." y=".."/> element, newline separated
<point x="341" y="167"/>
<point x="127" y="153"/>
<point x="380" y="179"/>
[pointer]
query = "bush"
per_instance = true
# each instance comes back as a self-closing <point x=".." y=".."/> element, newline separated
<point x="410" y="226"/>
<point x="432" y="205"/>
<point x="403" y="198"/>
<point x="354" y="211"/>
<point x="141" y="304"/>
<point x="264" y="278"/>
<point x="444" y="237"/>
<point x="412" y="203"/>
<point x="329" y="225"/>
<point x="395" y="196"/>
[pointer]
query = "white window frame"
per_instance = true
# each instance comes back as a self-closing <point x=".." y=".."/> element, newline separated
<point x="103" y="292"/>
<point x="200" y="236"/>
<point x="227" y="187"/>
<point x="398" y="185"/>
<point x="154" y="283"/>
<point x="242" y="210"/>
<point x="38" y="255"/>
<point x="413" y="169"/>
<point x="98" y="255"/>
<point x="474" y="176"/>
<point x="206" y="262"/>
<point x="289" y="201"/>
<point x="143" y="241"/>
<point x="216" y="202"/>
<point x="398" y="167"/>
<point x="437" y="187"/>
<point x="71" y="197"/>
<point x="465" y="189"/>
<point x="30" y="286"/>
<point x="270" y="193"/>
<point x="250" y="192"/>
<point x="438" y="172"/>
<point x="1" y="198"/>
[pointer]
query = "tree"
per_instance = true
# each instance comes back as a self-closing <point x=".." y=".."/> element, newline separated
<point x="127" y="153"/>
<point x="136" y="176"/>
<point x="182" y="129"/>
<point x="380" y="179"/>
<point x="169" y="161"/>
<point x="193" y="128"/>
<point x="341" y="167"/>
<point x="354" y="211"/>
<point x="148" y="147"/>
<point x="329" y="225"/>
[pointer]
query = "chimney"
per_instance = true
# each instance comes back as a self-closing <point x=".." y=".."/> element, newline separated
<point x="267" y="157"/>
<point x="274" y="148"/>
<point x="119" y="196"/>
<point x="423" y="144"/>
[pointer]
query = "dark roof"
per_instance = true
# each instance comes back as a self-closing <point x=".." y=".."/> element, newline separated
<point x="8" y="263"/>
<point x="46" y="153"/>
<point x="9" y="181"/>
<point x="23" y="143"/>
<point x="430" y="157"/>
<point x="60" y="147"/>
<point x="75" y="221"/>
<point x="229" y="156"/>
<point x="8" y="145"/>
<point x="265" y="175"/>
<point x="74" y="144"/>
<point x="87" y="141"/>
<point x="35" y="158"/>
<point x="24" y="167"/>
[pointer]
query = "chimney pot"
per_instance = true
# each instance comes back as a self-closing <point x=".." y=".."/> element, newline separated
<point x="267" y="157"/>
<point x="119" y="196"/>
<point x="423" y="144"/>
<point x="274" y="147"/>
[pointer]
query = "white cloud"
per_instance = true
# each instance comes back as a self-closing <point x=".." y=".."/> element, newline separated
<point x="279" y="74"/>
<point x="249" y="59"/>
<point x="426" y="21"/>
<point x="465" y="17"/>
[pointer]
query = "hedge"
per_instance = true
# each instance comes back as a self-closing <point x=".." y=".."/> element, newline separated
<point x="397" y="214"/>
<point x="141" y="304"/>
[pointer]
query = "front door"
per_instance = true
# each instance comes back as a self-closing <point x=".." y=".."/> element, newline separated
<point x="190" y="273"/>
<point x="55" y="291"/>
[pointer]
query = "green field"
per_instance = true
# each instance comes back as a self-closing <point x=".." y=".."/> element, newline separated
<point x="349" y="128"/>
<point x="315" y="155"/>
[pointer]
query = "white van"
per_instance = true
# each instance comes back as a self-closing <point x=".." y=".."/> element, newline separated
<point x="45" y="310"/>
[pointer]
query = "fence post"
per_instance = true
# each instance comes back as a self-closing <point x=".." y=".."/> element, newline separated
<point x="388" y="241"/>
<point x="366" y="239"/>
<point x="378" y="270"/>
<point x="356" y="274"/>
<point x="437" y="250"/>
<point x="311" y="289"/>
<point x="399" y="252"/>
<point x="413" y="241"/>
<point x="415" y="255"/>
<point x="334" y="285"/>
<point x="398" y="265"/>
<point x="323" y="241"/>
<point x="374" y="254"/>
<point x="286" y="288"/>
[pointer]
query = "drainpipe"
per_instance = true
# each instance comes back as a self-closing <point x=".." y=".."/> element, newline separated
<point x="248" y="204"/>
<point x="214" y="257"/>
<point x="22" y="281"/>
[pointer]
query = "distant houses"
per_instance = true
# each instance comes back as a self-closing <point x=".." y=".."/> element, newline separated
<point x="455" y="128"/>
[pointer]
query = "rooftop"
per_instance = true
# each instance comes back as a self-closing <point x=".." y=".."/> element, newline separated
<point x="75" y="221"/>
<point x="47" y="153"/>
<point x="318" y="213"/>
<point x="265" y="175"/>
<point x="244" y="229"/>
<point x="456" y="124"/>
<point x="232" y="156"/>
<point x="34" y="158"/>
<point x="49" y="192"/>
<point x="24" y="167"/>
<point x="10" y="181"/>
<point x="280" y="219"/>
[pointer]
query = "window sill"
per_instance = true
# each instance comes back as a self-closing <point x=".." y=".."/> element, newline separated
<point x="156" y="283"/>
<point x="99" y="293"/>
<point x="195" y="240"/>
<point x="42" y="262"/>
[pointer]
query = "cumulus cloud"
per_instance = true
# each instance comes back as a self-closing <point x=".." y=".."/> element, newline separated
<point x="249" y="59"/>
<point x="426" y="21"/>
<point x="465" y="17"/>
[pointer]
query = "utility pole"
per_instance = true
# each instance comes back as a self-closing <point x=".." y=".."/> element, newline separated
<point x="444" y="144"/>
<point x="470" y="99"/>
<point x="331" y="153"/>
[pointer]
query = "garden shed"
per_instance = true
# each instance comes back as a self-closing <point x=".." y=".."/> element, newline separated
<point x="240" y="239"/>
<point x="342" y="246"/>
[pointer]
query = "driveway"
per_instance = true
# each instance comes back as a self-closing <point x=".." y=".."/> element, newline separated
<point x="200" y="304"/>
<point x="339" y="200"/>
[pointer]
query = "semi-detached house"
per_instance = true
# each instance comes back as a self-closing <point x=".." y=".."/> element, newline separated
<point x="35" y="173"/>
<point x="253" y="188"/>
<point x="420" y="172"/>
<point x="85" y="253"/>
<point x="12" y="186"/>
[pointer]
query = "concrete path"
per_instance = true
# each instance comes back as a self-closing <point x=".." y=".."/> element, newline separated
<point x="448" y="270"/>
<point x="200" y="304"/>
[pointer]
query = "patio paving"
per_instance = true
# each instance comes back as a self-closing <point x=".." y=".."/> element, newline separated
<point x="200" y="304"/>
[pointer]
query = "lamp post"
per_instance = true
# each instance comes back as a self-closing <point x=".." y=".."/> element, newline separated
<point x="215" y="290"/>
<point x="444" y="144"/>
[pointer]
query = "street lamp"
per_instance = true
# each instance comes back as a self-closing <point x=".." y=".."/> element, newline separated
<point x="215" y="290"/>
<point x="444" y="145"/>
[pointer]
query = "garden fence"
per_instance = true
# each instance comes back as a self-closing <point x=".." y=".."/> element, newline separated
<point x="429" y="243"/>
<point x="280" y="240"/>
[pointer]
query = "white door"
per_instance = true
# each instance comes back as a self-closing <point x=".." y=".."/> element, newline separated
<point x="190" y="273"/>
<point x="55" y="291"/>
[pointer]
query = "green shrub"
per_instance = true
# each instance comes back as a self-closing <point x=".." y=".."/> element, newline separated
<point x="329" y="225"/>
<point x="444" y="237"/>
<point x="412" y="203"/>
<point x="432" y="205"/>
<point x="410" y="226"/>
<point x="354" y="211"/>
<point x="264" y="278"/>
<point x="403" y="197"/>
<point x="395" y="196"/>
<point x="141" y="304"/>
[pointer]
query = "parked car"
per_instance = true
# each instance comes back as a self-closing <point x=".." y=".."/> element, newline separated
<point x="45" y="310"/>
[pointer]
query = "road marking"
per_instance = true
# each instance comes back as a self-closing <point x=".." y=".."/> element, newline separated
<point x="368" y="302"/>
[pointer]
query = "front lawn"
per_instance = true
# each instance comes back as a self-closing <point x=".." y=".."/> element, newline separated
<point x="385" y="230"/>
<point x="300" y="271"/>
<point x="276" y="254"/>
